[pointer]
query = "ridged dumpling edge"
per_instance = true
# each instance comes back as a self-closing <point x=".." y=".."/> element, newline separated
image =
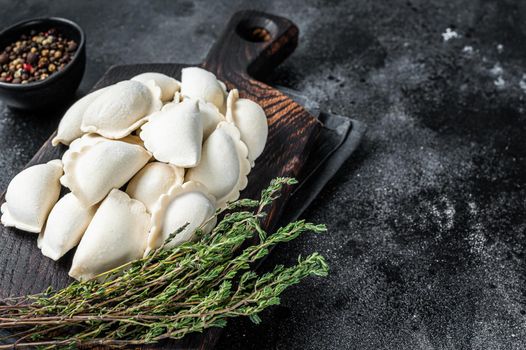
<point x="244" y="164"/>
<point x="255" y="142"/>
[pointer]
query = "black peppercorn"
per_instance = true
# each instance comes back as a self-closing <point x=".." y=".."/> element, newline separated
<point x="72" y="46"/>
<point x="4" y="58"/>
<point x="32" y="58"/>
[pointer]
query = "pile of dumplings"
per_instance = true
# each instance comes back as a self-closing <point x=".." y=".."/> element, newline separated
<point x="146" y="156"/>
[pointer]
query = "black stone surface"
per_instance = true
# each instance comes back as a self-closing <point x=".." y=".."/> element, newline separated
<point x="427" y="221"/>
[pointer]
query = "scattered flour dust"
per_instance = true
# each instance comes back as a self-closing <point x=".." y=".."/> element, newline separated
<point x="476" y="239"/>
<point x="522" y="83"/>
<point x="450" y="34"/>
<point x="449" y="216"/>
<point x="500" y="83"/>
<point x="497" y="72"/>
<point x="445" y="214"/>
<point x="468" y="50"/>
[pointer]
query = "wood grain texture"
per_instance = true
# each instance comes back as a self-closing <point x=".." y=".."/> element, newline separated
<point x="23" y="270"/>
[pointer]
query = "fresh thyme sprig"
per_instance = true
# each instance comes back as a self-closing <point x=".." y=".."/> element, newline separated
<point x="170" y="292"/>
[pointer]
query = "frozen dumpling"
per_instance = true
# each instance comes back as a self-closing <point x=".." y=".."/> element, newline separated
<point x="31" y="195"/>
<point x="92" y="171"/>
<point x="175" y="135"/>
<point x="154" y="180"/>
<point x="198" y="83"/>
<point x="92" y="139"/>
<point x="117" y="234"/>
<point x="69" y="126"/>
<point x="224" y="165"/>
<point x="65" y="226"/>
<point x="168" y="85"/>
<point x="187" y="204"/>
<point x="251" y="121"/>
<point x="121" y="108"/>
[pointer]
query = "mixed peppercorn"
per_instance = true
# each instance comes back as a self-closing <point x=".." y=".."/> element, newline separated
<point x="35" y="57"/>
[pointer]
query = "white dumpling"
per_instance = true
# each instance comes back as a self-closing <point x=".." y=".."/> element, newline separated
<point x="154" y="180"/>
<point x="122" y="108"/>
<point x="187" y="204"/>
<point x="210" y="116"/>
<point x="69" y="126"/>
<point x="65" y="226"/>
<point x="175" y="135"/>
<point x="117" y="234"/>
<point x="92" y="171"/>
<point x="92" y="139"/>
<point x="251" y="121"/>
<point x="31" y="195"/>
<point x="200" y="84"/>
<point x="224" y="165"/>
<point x="168" y="85"/>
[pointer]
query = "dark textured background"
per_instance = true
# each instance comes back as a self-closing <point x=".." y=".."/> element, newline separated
<point x="427" y="221"/>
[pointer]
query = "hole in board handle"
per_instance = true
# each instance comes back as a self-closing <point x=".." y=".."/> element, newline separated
<point x="257" y="29"/>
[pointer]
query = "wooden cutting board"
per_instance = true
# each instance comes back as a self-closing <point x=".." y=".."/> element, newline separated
<point x="252" y="44"/>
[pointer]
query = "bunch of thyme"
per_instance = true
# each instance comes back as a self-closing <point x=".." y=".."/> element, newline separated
<point x="170" y="292"/>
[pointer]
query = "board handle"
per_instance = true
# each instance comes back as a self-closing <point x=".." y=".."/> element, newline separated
<point x="253" y="43"/>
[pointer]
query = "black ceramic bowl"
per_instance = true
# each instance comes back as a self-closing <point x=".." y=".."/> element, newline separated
<point x="59" y="87"/>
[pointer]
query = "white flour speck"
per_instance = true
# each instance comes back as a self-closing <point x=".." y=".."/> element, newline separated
<point x="499" y="83"/>
<point x="450" y="34"/>
<point x="446" y="216"/>
<point x="468" y="50"/>
<point x="477" y="240"/>
<point x="522" y="83"/>
<point x="496" y="70"/>
<point x="450" y="216"/>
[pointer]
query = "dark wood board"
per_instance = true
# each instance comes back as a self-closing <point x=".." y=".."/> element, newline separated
<point x="338" y="138"/>
<point x="238" y="52"/>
